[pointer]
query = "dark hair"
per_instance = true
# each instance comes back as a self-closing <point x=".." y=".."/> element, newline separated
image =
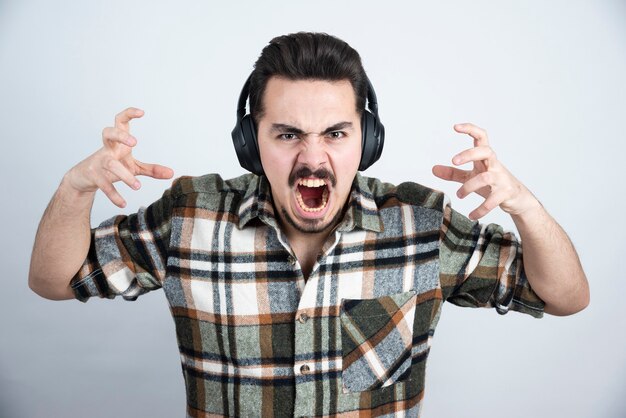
<point x="307" y="56"/>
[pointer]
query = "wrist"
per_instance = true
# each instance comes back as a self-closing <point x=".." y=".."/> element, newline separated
<point x="533" y="213"/>
<point x="72" y="195"/>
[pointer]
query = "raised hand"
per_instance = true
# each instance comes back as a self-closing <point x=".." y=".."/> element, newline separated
<point x="488" y="177"/>
<point x="115" y="162"/>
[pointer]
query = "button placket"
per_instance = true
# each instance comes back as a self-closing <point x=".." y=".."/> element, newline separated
<point x="304" y="365"/>
<point x="305" y="328"/>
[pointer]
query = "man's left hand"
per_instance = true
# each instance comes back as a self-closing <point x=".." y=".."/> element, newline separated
<point x="488" y="177"/>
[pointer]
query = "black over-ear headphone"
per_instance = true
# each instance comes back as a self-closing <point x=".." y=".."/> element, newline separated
<point x="247" y="147"/>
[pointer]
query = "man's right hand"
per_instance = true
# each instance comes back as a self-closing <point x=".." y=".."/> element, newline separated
<point x="114" y="162"/>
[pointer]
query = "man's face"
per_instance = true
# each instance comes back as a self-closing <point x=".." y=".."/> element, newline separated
<point x="310" y="144"/>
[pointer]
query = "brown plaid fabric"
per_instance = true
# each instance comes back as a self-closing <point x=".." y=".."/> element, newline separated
<point x="258" y="339"/>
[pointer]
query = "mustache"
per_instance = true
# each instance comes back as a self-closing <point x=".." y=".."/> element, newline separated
<point x="321" y="173"/>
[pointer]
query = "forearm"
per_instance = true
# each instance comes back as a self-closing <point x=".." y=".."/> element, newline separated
<point x="61" y="243"/>
<point x="551" y="263"/>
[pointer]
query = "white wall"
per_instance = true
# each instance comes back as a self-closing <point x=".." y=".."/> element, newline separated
<point x="546" y="79"/>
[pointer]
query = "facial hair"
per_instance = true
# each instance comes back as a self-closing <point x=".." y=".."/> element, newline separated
<point x="312" y="226"/>
<point x="302" y="172"/>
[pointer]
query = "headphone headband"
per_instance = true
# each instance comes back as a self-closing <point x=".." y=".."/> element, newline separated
<point x="372" y="101"/>
<point x="243" y="98"/>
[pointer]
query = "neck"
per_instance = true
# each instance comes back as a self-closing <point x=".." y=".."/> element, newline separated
<point x="307" y="247"/>
<point x="298" y="238"/>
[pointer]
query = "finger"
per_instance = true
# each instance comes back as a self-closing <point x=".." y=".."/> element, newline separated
<point x="479" y="153"/>
<point x="451" y="173"/>
<point x="487" y="206"/>
<point x="112" y="134"/>
<point x="120" y="171"/>
<point x="154" y="170"/>
<point x="479" y="134"/>
<point x="125" y="116"/>
<point x="109" y="190"/>
<point x="474" y="184"/>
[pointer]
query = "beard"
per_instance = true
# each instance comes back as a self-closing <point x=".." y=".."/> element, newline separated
<point x="312" y="226"/>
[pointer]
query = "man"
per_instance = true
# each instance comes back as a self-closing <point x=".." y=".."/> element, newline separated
<point x="305" y="289"/>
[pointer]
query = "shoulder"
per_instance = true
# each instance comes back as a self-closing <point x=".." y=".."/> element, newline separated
<point x="408" y="193"/>
<point x="211" y="184"/>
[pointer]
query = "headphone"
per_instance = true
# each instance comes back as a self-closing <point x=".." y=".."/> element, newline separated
<point x="247" y="146"/>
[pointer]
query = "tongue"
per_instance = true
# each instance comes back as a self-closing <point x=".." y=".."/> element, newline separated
<point x="311" y="196"/>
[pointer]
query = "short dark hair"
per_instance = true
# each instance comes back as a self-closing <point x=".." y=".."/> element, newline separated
<point x="307" y="56"/>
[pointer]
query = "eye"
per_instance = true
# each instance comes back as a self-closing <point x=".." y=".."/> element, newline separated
<point x="336" y="134"/>
<point x="287" y="137"/>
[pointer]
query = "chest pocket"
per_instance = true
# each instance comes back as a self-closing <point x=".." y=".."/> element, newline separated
<point x="376" y="340"/>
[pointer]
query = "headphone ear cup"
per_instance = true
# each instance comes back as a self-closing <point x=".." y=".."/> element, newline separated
<point x="373" y="139"/>
<point x="246" y="146"/>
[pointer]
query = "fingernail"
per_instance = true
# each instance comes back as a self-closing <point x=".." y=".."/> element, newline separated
<point x="456" y="160"/>
<point x="137" y="185"/>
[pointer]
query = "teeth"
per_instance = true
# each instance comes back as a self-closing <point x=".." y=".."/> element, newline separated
<point x="312" y="182"/>
<point x="308" y="209"/>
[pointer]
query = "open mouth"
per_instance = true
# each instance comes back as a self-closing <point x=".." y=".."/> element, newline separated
<point x="312" y="194"/>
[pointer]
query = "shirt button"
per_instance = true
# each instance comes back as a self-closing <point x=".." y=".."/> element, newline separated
<point x="303" y="318"/>
<point x="305" y="369"/>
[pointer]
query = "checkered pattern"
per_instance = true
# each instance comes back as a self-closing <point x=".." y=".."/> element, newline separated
<point x="377" y="336"/>
<point x="258" y="338"/>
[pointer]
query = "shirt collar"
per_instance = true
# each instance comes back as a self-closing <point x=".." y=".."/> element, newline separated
<point x="362" y="211"/>
<point x="257" y="203"/>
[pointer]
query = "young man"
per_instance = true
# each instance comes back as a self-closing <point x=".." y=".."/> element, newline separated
<point x="306" y="289"/>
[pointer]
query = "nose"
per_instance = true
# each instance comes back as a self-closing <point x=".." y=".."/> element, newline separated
<point x="313" y="153"/>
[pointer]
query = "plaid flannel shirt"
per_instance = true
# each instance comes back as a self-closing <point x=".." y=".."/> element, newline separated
<point x="258" y="338"/>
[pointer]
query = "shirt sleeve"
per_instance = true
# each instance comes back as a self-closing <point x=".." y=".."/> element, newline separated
<point x="482" y="266"/>
<point x="127" y="254"/>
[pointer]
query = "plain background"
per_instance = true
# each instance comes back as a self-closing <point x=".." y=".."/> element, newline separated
<point x="546" y="79"/>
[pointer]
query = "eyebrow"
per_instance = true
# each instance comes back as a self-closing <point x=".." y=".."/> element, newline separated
<point x="283" y="127"/>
